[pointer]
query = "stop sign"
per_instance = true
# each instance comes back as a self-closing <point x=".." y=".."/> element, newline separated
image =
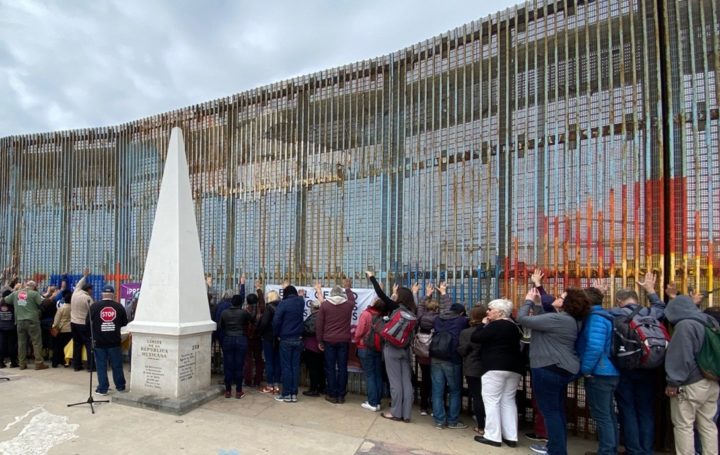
<point x="108" y="314"/>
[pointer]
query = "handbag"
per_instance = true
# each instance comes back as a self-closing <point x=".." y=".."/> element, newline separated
<point x="421" y="344"/>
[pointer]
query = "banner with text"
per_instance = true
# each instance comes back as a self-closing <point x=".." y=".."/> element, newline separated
<point x="363" y="298"/>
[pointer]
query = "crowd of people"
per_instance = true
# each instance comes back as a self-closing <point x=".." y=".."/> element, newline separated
<point x="559" y="340"/>
<point x="53" y="319"/>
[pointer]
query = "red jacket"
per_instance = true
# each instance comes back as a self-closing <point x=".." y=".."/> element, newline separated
<point x="333" y="322"/>
<point x="363" y="326"/>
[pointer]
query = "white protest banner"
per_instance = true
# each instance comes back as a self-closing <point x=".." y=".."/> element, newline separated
<point x="363" y="298"/>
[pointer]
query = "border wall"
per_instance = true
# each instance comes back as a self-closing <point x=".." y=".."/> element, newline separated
<point x="577" y="136"/>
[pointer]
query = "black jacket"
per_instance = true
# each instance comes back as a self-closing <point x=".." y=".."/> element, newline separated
<point x="234" y="321"/>
<point x="265" y="328"/>
<point x="105" y="318"/>
<point x="500" y="341"/>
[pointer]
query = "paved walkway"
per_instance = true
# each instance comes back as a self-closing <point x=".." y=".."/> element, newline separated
<point x="34" y="419"/>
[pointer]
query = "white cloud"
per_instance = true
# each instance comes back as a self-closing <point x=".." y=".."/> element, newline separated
<point x="85" y="63"/>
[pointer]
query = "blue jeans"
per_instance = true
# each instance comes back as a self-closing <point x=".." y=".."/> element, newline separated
<point x="550" y="389"/>
<point x="635" y="396"/>
<point x="336" y="358"/>
<point x="114" y="355"/>
<point x="272" y="363"/>
<point x="599" y="391"/>
<point x="371" y="361"/>
<point x="234" y="349"/>
<point x="290" y="350"/>
<point x="443" y="372"/>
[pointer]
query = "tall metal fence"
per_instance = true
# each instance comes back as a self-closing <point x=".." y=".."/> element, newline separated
<point x="576" y="136"/>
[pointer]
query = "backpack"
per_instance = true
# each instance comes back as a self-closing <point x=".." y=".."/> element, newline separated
<point x="421" y="344"/>
<point x="638" y="341"/>
<point x="309" y="326"/>
<point x="398" y="329"/>
<point x="708" y="358"/>
<point x="443" y="345"/>
<point x="372" y="339"/>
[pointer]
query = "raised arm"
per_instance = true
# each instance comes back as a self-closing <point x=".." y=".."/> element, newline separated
<point x="389" y="304"/>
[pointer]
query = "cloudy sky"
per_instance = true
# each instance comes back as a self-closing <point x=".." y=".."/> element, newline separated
<point x="79" y="64"/>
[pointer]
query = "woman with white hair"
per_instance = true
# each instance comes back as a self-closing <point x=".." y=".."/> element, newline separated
<point x="502" y="366"/>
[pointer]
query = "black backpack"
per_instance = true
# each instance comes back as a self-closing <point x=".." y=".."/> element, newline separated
<point x="443" y="345"/>
<point x="638" y="341"/>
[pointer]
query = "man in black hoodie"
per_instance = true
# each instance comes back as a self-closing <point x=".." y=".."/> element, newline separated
<point x="693" y="398"/>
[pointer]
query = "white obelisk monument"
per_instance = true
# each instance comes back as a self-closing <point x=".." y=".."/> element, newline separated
<point x="172" y="327"/>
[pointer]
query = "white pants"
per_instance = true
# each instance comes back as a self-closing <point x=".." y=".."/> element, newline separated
<point x="695" y="407"/>
<point x="498" y="393"/>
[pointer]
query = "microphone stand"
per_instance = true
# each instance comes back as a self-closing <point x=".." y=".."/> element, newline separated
<point x="91" y="361"/>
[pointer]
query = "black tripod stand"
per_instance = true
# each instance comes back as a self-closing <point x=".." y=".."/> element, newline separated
<point x="91" y="361"/>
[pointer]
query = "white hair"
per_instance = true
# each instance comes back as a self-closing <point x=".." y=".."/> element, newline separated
<point x="503" y="305"/>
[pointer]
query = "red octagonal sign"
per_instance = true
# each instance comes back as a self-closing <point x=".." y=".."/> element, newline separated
<point x="108" y="314"/>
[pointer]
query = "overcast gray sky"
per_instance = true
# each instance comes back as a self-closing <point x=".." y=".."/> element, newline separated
<point x="79" y="64"/>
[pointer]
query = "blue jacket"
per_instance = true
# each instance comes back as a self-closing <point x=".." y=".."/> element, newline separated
<point x="288" y="320"/>
<point x="594" y="344"/>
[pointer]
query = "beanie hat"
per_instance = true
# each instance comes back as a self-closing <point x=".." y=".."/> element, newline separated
<point x="337" y="296"/>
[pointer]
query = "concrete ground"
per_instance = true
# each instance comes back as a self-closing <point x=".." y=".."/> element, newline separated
<point x="35" y="420"/>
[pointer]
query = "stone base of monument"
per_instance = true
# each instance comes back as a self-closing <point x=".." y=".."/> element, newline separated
<point x="170" y="373"/>
<point x="176" y="406"/>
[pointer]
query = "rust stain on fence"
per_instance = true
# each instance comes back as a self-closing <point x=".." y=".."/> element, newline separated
<point x="470" y="157"/>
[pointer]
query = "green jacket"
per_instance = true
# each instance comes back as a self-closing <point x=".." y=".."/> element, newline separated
<point x="27" y="304"/>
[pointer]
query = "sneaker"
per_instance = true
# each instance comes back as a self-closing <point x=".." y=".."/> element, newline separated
<point x="228" y="394"/>
<point x="439" y="426"/>
<point x="510" y="443"/>
<point x="311" y="393"/>
<point x="285" y="398"/>
<point x="538" y="448"/>
<point x="41" y="366"/>
<point x="341" y="400"/>
<point x="293" y="398"/>
<point x="423" y="412"/>
<point x="239" y="394"/>
<point x="369" y="407"/>
<point x="123" y="390"/>
<point x="535" y="437"/>
<point x="457" y="426"/>
<point x="378" y="408"/>
<point x="330" y="399"/>
<point x="104" y="394"/>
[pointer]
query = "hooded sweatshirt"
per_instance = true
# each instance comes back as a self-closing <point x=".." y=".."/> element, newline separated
<point x="687" y="340"/>
<point x="333" y="321"/>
